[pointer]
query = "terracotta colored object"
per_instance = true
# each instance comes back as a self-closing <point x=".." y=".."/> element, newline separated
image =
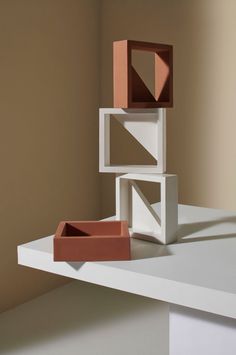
<point x="129" y="89"/>
<point x="92" y="241"/>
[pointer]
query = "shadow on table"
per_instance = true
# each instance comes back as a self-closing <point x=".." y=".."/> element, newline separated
<point x="140" y="249"/>
<point x="187" y="233"/>
<point x="194" y="232"/>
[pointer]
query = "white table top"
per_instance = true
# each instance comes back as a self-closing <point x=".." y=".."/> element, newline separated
<point x="198" y="272"/>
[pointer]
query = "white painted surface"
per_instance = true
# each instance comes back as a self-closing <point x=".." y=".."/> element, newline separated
<point x="147" y="126"/>
<point x="146" y="222"/>
<point x="143" y="219"/>
<point x="199" y="272"/>
<point x="137" y="125"/>
<point x="199" y="333"/>
<point x="84" y="319"/>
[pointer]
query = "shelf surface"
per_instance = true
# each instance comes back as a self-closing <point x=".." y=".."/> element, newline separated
<point x="197" y="272"/>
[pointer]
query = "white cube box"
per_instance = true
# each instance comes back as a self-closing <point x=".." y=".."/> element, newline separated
<point x="146" y="223"/>
<point x="147" y="126"/>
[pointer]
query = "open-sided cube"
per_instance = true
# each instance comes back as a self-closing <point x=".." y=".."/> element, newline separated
<point x="145" y="222"/>
<point x="92" y="241"/>
<point x="129" y="89"/>
<point x="147" y="126"/>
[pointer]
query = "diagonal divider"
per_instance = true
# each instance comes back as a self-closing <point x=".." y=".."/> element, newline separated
<point x="142" y="131"/>
<point x="140" y="92"/>
<point x="144" y="218"/>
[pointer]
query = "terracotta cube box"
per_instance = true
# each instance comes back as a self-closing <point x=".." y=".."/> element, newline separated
<point x="130" y="91"/>
<point x="92" y="241"/>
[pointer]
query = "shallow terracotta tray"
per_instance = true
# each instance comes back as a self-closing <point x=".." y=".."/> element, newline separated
<point x="92" y="241"/>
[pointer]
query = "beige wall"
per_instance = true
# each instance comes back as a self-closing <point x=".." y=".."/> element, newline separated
<point x="48" y="137"/>
<point x="202" y="125"/>
<point x="49" y="70"/>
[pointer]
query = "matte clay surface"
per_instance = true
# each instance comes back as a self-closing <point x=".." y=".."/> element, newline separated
<point x="92" y="241"/>
<point x="129" y="89"/>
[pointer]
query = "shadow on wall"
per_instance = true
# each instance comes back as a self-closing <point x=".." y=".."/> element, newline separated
<point x="201" y="125"/>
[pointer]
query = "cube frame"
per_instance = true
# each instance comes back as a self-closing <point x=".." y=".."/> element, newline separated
<point x="168" y="205"/>
<point x="159" y="138"/>
<point x="127" y="83"/>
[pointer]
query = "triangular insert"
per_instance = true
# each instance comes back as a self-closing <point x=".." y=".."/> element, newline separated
<point x="140" y="92"/>
<point x="144" y="218"/>
<point x="142" y="130"/>
<point x="162" y="76"/>
<point x="144" y="64"/>
<point x="126" y="146"/>
<point x="72" y="231"/>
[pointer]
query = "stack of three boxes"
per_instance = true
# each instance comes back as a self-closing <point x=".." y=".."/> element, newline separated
<point x="143" y="115"/>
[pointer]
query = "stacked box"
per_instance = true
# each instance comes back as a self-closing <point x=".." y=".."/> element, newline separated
<point x="143" y="115"/>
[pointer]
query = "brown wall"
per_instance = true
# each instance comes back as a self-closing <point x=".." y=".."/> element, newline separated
<point x="49" y="73"/>
<point x="202" y="125"/>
